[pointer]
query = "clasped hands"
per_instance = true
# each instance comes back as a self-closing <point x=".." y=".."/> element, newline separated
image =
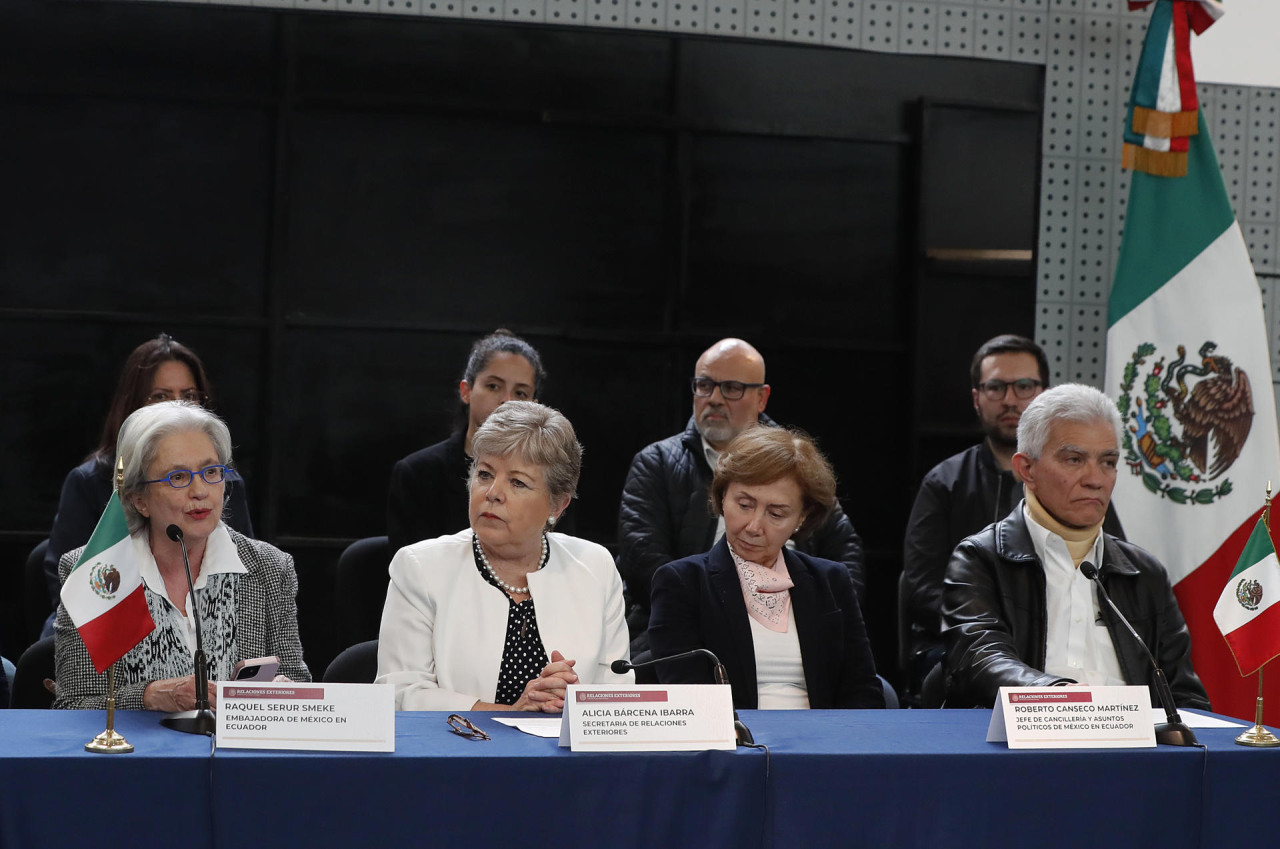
<point x="546" y="692"/>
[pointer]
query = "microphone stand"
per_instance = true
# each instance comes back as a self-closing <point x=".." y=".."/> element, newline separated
<point x="1173" y="731"/>
<point x="718" y="672"/>
<point x="202" y="719"/>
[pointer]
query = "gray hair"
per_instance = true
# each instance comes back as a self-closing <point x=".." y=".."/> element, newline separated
<point x="1070" y="402"/>
<point x="538" y="434"/>
<point x="140" y="438"/>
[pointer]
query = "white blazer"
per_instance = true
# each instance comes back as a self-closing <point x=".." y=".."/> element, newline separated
<point x="444" y="626"/>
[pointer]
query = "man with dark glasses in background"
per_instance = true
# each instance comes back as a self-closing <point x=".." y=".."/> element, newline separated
<point x="664" y="514"/>
<point x="965" y="493"/>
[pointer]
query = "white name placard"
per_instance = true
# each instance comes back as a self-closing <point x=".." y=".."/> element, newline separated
<point x="306" y="717"/>
<point x="1073" y="718"/>
<point x="648" y="718"/>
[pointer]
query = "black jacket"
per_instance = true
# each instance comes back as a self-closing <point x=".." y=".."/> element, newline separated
<point x="995" y="627"/>
<point x="698" y="604"/>
<point x="429" y="496"/>
<point x="665" y="516"/>
<point x="960" y="496"/>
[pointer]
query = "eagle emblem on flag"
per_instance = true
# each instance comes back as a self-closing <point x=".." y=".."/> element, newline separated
<point x="1186" y="423"/>
<point x="1249" y="594"/>
<point x="105" y="580"/>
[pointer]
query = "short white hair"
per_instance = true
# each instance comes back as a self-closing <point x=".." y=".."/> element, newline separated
<point x="535" y="433"/>
<point x="140" y="438"/>
<point x="1070" y="402"/>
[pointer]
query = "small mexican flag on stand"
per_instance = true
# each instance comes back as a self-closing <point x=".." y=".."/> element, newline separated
<point x="1247" y="612"/>
<point x="104" y="595"/>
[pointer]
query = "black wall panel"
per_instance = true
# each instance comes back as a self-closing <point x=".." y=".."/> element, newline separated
<point x="787" y="224"/>
<point x="331" y="208"/>
<point x="469" y="219"/>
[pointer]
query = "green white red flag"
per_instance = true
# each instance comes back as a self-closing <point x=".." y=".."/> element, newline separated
<point x="104" y="594"/>
<point x="1189" y="367"/>
<point x="1248" y="611"/>
<point x="1163" y="105"/>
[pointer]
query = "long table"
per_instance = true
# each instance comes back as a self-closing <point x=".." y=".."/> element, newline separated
<point x="830" y="778"/>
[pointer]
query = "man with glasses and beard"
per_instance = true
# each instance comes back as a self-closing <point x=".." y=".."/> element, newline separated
<point x="665" y="514"/>
<point x="965" y="493"/>
<point x="1019" y="608"/>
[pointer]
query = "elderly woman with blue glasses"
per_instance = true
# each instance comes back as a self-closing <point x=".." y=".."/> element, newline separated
<point x="176" y="457"/>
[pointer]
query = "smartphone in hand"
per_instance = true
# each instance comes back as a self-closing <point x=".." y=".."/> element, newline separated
<point x="256" y="669"/>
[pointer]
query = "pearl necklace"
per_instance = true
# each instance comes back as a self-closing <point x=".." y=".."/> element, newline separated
<point x="475" y="542"/>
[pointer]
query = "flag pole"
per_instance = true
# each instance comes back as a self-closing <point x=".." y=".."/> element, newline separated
<point x="111" y="743"/>
<point x="1259" y="737"/>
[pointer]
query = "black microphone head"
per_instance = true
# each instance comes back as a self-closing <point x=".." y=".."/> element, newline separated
<point x="620" y="667"/>
<point x="1089" y="570"/>
<point x="174" y="532"/>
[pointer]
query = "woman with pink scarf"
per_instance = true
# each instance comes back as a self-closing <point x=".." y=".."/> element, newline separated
<point x="785" y="625"/>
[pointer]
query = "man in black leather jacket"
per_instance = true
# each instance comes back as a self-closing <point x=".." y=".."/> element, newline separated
<point x="1015" y="610"/>
<point x="968" y="491"/>
<point x="664" y="514"/>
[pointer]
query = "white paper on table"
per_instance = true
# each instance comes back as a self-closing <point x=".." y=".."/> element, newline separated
<point x="538" y="726"/>
<point x="1196" y="720"/>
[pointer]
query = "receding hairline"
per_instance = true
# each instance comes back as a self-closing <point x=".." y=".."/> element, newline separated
<point x="1071" y="446"/>
<point x="1101" y="424"/>
<point x="733" y="347"/>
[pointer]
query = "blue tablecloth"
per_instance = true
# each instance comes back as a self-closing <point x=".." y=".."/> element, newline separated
<point x="512" y="790"/>
<point x="54" y="793"/>
<point x="847" y="778"/>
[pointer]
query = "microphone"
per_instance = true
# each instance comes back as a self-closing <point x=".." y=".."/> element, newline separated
<point x="721" y="676"/>
<point x="1173" y="731"/>
<point x="619" y="667"/>
<point x="201" y="720"/>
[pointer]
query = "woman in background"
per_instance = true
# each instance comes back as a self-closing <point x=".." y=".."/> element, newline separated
<point x="785" y="625"/>
<point x="428" y="488"/>
<point x="159" y="369"/>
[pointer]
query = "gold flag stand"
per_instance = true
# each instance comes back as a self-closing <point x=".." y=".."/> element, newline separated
<point x="1259" y="737"/>
<point x="109" y="742"/>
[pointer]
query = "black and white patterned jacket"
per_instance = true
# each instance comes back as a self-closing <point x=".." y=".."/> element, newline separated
<point x="243" y="616"/>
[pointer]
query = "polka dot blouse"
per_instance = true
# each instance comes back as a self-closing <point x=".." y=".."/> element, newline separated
<point x="523" y="656"/>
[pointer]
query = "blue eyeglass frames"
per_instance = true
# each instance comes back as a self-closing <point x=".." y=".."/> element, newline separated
<point x="182" y="478"/>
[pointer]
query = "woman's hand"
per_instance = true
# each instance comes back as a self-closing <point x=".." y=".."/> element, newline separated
<point x="546" y="692"/>
<point x="174" y="694"/>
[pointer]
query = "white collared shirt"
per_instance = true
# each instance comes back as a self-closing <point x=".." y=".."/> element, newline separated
<point x="1077" y="643"/>
<point x="220" y="557"/>
<point x="713" y="457"/>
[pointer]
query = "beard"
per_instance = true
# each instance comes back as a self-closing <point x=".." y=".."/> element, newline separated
<point x="998" y="434"/>
<point x="716" y="432"/>
<point x="1001" y="437"/>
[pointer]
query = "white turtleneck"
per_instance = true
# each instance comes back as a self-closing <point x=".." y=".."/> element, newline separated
<point x="1077" y="643"/>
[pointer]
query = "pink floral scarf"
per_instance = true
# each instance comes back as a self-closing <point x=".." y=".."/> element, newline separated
<point x="766" y="590"/>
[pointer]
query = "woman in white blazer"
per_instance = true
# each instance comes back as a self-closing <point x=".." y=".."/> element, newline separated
<point x="506" y="614"/>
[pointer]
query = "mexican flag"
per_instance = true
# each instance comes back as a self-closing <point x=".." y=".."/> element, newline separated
<point x="1188" y="366"/>
<point x="104" y="595"/>
<point x="1247" y="612"/>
